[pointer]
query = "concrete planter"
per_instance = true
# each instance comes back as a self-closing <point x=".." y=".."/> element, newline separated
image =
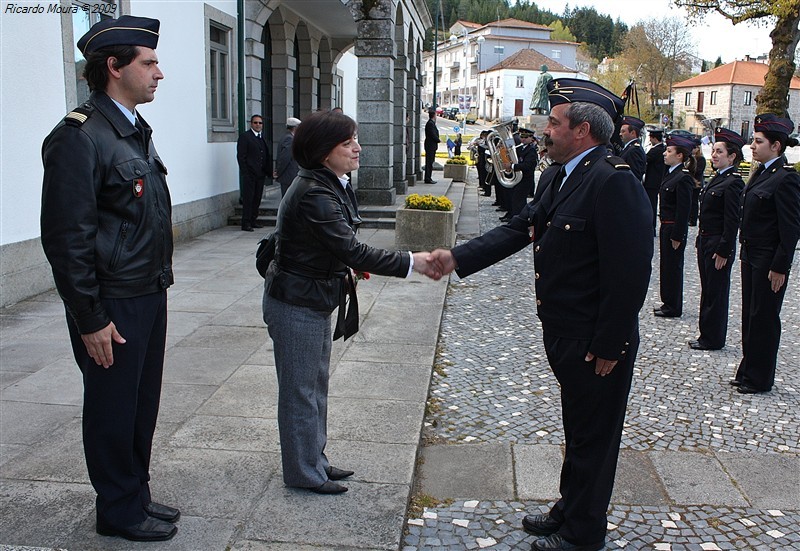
<point x="458" y="173"/>
<point x="424" y="230"/>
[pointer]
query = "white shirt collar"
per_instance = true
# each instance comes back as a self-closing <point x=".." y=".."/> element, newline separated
<point x="125" y="111"/>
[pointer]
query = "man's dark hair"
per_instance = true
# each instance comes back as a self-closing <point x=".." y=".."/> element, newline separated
<point x="431" y="113"/>
<point x="96" y="70"/>
<point x="318" y="135"/>
<point x="256" y="117"/>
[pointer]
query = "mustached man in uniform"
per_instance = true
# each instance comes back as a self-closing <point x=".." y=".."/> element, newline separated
<point x="591" y="227"/>
<point x="107" y="233"/>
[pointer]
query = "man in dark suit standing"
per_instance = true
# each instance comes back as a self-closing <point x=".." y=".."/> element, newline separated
<point x="592" y="253"/>
<point x="528" y="158"/>
<point x="431" y="145"/>
<point x="255" y="163"/>
<point x="630" y="133"/>
<point x="654" y="171"/>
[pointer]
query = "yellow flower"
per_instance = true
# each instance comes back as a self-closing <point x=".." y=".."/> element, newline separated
<point x="428" y="202"/>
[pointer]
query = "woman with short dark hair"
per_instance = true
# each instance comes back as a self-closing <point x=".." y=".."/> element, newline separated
<point x="312" y="274"/>
<point x="716" y="239"/>
<point x="675" y="198"/>
<point x="770" y="228"/>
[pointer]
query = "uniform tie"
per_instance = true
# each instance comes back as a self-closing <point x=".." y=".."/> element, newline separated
<point x="555" y="185"/>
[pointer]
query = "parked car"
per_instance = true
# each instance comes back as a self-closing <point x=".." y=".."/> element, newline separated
<point x="471" y="117"/>
<point x="450" y="112"/>
<point x="685" y="133"/>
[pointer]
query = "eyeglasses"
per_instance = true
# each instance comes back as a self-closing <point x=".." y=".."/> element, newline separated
<point x="257" y="122"/>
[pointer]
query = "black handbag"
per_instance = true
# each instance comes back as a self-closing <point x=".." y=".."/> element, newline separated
<point x="265" y="252"/>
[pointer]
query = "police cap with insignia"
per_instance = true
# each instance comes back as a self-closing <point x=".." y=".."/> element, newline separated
<point x="571" y="90"/>
<point x="638" y="124"/>
<point x="128" y="30"/>
<point x="729" y="136"/>
<point x="773" y="123"/>
<point x="682" y="141"/>
<point x="525" y="133"/>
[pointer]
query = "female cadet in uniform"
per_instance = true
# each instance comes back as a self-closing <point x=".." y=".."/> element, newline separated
<point x="675" y="197"/>
<point x="309" y="278"/>
<point x="716" y="240"/>
<point x="699" y="182"/>
<point x="770" y="228"/>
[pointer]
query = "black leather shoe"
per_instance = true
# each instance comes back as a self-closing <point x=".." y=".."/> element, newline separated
<point x="555" y="542"/>
<point x="747" y="389"/>
<point x="540" y="525"/>
<point x="150" y="529"/>
<point x="162" y="512"/>
<point x="495" y="204"/>
<point x="338" y="474"/>
<point x="430" y="181"/>
<point x="505" y="218"/>
<point x="329" y="488"/>
<point x="697" y="345"/>
<point x="663" y="314"/>
<point x="247" y="228"/>
<point x="257" y="225"/>
<point x="734" y="382"/>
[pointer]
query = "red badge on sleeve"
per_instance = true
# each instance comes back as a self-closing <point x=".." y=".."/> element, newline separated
<point x="138" y="187"/>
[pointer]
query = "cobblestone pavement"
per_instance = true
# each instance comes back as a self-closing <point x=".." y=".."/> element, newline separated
<point x="495" y="385"/>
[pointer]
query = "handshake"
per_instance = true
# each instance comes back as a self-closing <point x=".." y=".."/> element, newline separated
<point x="434" y="264"/>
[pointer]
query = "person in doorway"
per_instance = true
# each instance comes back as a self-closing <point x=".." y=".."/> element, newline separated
<point x="285" y="166"/>
<point x="431" y="145"/>
<point x="255" y="163"/>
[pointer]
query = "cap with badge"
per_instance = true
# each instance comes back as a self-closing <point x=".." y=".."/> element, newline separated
<point x="128" y="30"/>
<point x="677" y="140"/>
<point x="572" y="90"/>
<point x="773" y="123"/>
<point x="729" y="136"/>
<point x="292" y="122"/>
<point x="657" y="134"/>
<point x="638" y="124"/>
<point x="525" y="133"/>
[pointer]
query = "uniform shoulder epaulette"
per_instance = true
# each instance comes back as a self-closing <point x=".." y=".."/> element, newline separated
<point x="733" y="173"/>
<point x="617" y="162"/>
<point x="686" y="170"/>
<point x="79" y="115"/>
<point x="790" y="168"/>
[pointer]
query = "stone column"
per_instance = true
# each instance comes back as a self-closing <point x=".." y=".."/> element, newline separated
<point x="401" y="132"/>
<point x="375" y="50"/>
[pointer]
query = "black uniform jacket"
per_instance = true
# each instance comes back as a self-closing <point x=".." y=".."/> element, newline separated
<point x="106" y="211"/>
<point x="634" y="156"/>
<point x="253" y="155"/>
<point x="654" y="173"/>
<point x="431" y="135"/>
<point x="527" y="157"/>
<point x="719" y="210"/>
<point x="592" y="252"/>
<point x="770" y="218"/>
<point x="317" y="243"/>
<point x="675" y="200"/>
<point x="285" y="165"/>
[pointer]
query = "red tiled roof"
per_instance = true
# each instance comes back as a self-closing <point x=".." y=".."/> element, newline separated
<point x="530" y="60"/>
<point x="469" y="24"/>
<point x="750" y="73"/>
<point x="518" y="23"/>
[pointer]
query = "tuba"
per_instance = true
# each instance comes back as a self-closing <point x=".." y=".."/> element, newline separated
<point x="502" y="149"/>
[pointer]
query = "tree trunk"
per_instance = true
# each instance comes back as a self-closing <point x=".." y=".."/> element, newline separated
<point x="774" y="96"/>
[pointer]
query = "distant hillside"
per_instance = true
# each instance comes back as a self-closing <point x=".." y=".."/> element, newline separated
<point x="602" y="35"/>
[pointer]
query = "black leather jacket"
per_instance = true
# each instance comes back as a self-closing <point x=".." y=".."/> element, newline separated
<point x="317" y="243"/>
<point x="106" y="211"/>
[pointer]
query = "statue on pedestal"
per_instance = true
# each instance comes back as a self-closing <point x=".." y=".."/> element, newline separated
<point x="540" y="104"/>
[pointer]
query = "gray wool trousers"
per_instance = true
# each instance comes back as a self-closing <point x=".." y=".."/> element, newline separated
<point x="302" y="343"/>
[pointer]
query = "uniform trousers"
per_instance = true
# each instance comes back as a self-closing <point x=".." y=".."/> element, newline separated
<point x="715" y="286"/>
<point x="430" y="157"/>
<point x="519" y="197"/>
<point x="593" y="410"/>
<point x="670" y="271"/>
<point x="302" y="344"/>
<point x="761" y="328"/>
<point x="252" y="191"/>
<point x="120" y="406"/>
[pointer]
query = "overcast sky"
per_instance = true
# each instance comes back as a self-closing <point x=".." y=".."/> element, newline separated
<point x="716" y="36"/>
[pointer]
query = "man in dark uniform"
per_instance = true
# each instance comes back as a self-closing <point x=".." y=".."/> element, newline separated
<point x="528" y="158"/>
<point x="255" y="164"/>
<point x="431" y="145"/>
<point x="654" y="172"/>
<point x="770" y="229"/>
<point x="716" y="241"/>
<point x="590" y="225"/>
<point x="107" y="233"/>
<point x="286" y="167"/>
<point x="630" y="133"/>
